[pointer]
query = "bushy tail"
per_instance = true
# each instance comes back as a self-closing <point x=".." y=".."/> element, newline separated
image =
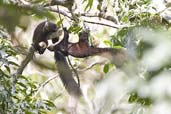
<point x="66" y="76"/>
<point x="117" y="56"/>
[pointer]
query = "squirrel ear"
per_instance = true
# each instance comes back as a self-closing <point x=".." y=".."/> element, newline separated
<point x="43" y="44"/>
<point x="46" y="26"/>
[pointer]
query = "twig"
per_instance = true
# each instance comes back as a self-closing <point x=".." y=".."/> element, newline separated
<point x="97" y="23"/>
<point x="75" y="71"/>
<point x="59" y="11"/>
<point x="91" y="66"/>
<point x="60" y="17"/>
<point x="106" y="17"/>
<point x="44" y="84"/>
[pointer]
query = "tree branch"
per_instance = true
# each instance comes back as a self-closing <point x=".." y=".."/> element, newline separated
<point x="91" y="22"/>
<point x="91" y="66"/>
<point x="59" y="11"/>
<point x="66" y="14"/>
<point x="44" y="84"/>
<point x="75" y="71"/>
<point x="97" y="23"/>
<point x="24" y="63"/>
<point x="106" y="17"/>
<point x="29" y="57"/>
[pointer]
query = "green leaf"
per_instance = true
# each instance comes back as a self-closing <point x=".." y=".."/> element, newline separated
<point x="59" y="23"/>
<point x="32" y="85"/>
<point x="7" y="68"/>
<point x="49" y="103"/>
<point x="11" y="52"/>
<point x="23" y="77"/>
<point x="13" y="63"/>
<point x="89" y="5"/>
<point x="135" y="98"/>
<point x="106" y="68"/>
<point x="21" y="84"/>
<point x="107" y="42"/>
<point x="125" y="19"/>
<point x="75" y="29"/>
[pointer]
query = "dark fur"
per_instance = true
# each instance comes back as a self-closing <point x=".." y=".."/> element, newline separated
<point x="65" y="74"/>
<point x="80" y="49"/>
<point x="41" y="35"/>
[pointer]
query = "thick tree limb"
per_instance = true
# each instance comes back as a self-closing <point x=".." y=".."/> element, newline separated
<point x="24" y="63"/>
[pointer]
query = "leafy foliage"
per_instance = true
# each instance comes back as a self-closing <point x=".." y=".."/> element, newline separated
<point x="17" y="98"/>
<point x="134" y="98"/>
<point x="89" y="4"/>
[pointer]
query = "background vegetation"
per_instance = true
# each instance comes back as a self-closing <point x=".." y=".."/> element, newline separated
<point x="141" y="86"/>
